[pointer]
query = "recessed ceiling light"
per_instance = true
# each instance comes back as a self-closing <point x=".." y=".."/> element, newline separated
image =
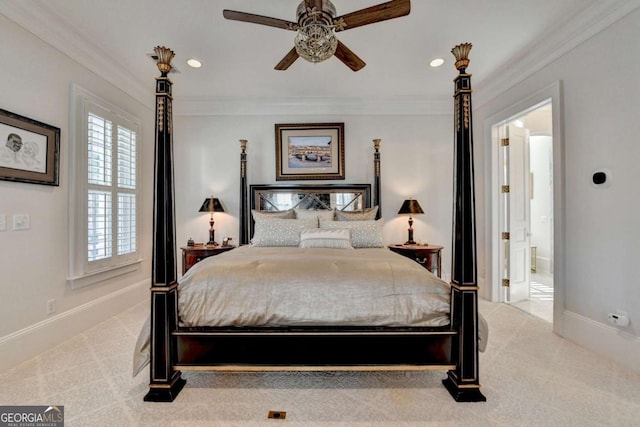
<point x="436" y="62"/>
<point x="194" y="63"/>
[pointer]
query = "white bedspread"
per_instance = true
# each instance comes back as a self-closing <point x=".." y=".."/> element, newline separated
<point x="264" y="286"/>
<point x="382" y="286"/>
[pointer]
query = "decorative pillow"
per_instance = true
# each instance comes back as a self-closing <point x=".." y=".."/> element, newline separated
<point x="364" y="234"/>
<point x="280" y="231"/>
<point x="318" y="214"/>
<point x="288" y="214"/>
<point x="339" y="238"/>
<point x="365" y="215"/>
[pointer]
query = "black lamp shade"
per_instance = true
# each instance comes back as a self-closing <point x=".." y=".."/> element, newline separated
<point x="410" y="206"/>
<point x="211" y="204"/>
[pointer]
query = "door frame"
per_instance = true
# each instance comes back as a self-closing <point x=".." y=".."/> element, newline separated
<point x="492" y="182"/>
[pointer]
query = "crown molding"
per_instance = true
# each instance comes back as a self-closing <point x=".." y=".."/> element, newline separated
<point x="558" y="41"/>
<point x="40" y="20"/>
<point x="231" y="106"/>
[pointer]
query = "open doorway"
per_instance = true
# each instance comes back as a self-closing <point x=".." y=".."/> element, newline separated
<point x="526" y="204"/>
<point x="542" y="237"/>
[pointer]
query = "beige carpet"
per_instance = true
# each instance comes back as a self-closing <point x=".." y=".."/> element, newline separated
<point x="530" y="377"/>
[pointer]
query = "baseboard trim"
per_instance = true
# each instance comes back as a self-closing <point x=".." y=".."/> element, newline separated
<point x="28" y="342"/>
<point x="612" y="343"/>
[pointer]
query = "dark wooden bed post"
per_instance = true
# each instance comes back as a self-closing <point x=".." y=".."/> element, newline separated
<point x="463" y="382"/>
<point x="244" y="209"/>
<point x="164" y="383"/>
<point x="377" y="199"/>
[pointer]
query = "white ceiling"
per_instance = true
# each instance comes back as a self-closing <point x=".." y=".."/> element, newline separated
<point x="115" y="37"/>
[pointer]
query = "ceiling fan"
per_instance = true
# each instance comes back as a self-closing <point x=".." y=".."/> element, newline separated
<point x="317" y="25"/>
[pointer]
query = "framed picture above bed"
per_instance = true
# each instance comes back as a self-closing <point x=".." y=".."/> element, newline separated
<point x="309" y="151"/>
<point x="29" y="150"/>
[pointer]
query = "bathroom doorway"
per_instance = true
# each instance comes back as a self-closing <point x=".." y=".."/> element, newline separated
<point x="525" y="209"/>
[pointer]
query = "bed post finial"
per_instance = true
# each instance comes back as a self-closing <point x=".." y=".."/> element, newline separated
<point x="244" y="202"/>
<point x="377" y="198"/>
<point x="461" y="52"/>
<point x="463" y="381"/>
<point x="165" y="55"/>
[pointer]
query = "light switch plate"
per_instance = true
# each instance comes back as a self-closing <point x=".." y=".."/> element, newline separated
<point x="21" y="222"/>
<point x="3" y="222"/>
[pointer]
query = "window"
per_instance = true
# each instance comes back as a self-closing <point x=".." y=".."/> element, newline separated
<point x="105" y="201"/>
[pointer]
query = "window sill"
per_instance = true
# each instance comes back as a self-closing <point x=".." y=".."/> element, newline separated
<point x="95" y="277"/>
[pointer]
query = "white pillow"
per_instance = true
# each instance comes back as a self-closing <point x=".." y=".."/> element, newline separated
<point x="368" y="214"/>
<point x="318" y="214"/>
<point x="339" y="238"/>
<point x="288" y="214"/>
<point x="364" y="234"/>
<point x="280" y="231"/>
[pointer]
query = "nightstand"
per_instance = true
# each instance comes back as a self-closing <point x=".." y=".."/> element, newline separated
<point x="429" y="256"/>
<point x="193" y="254"/>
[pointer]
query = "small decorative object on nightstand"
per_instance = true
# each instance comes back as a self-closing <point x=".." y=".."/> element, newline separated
<point x="410" y="207"/>
<point x="429" y="256"/>
<point x="194" y="254"/>
<point x="212" y="205"/>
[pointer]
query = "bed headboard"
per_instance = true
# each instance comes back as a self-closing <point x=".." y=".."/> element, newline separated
<point x="279" y="197"/>
<point x="340" y="197"/>
<point x="346" y="197"/>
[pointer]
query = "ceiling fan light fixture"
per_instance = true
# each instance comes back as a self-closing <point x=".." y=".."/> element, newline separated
<point x="317" y="25"/>
<point x="316" y="42"/>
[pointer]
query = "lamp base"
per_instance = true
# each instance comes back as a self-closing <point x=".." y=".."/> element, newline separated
<point x="212" y="236"/>
<point x="410" y="240"/>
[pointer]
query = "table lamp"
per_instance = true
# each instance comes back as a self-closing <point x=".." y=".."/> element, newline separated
<point x="410" y="207"/>
<point x="212" y="205"/>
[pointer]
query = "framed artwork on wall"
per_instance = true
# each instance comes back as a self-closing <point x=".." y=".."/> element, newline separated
<point x="29" y="150"/>
<point x="309" y="151"/>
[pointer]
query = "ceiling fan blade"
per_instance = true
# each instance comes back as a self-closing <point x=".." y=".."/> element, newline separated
<point x="349" y="58"/>
<point x="382" y="12"/>
<point x="259" y="19"/>
<point x="289" y="59"/>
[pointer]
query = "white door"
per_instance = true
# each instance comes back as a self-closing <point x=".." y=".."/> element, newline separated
<point x="517" y="214"/>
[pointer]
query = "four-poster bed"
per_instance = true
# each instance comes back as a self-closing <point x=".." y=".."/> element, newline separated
<point x="445" y="341"/>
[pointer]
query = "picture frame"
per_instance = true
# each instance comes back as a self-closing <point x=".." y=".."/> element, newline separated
<point x="29" y="150"/>
<point x="309" y="151"/>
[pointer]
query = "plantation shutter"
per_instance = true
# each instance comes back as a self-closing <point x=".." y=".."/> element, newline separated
<point x="111" y="189"/>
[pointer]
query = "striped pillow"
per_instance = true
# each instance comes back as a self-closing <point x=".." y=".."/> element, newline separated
<point x="339" y="238"/>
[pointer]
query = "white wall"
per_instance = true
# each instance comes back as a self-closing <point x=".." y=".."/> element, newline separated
<point x="35" y="82"/>
<point x="416" y="152"/>
<point x="601" y="129"/>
